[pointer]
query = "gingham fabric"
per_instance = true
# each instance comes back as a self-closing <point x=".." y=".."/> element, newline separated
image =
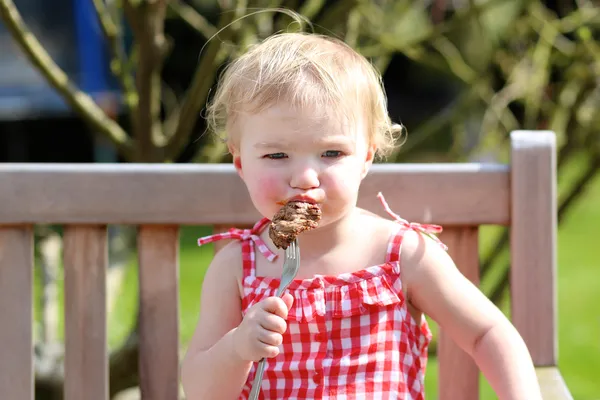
<point x="247" y="236"/>
<point x="349" y="336"/>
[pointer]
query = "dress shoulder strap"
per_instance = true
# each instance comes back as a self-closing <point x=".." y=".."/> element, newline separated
<point x="250" y="239"/>
<point x="395" y="244"/>
<point x="393" y="252"/>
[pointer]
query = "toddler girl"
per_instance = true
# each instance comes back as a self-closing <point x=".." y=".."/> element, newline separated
<point x="304" y="118"/>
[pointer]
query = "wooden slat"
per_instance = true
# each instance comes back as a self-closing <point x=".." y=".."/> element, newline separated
<point x="158" y="249"/>
<point x="86" y="353"/>
<point x="16" y="285"/>
<point x="552" y="384"/>
<point x="208" y="194"/>
<point x="459" y="375"/>
<point x="533" y="243"/>
<point x="446" y="194"/>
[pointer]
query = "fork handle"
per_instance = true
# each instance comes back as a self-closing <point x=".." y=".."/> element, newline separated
<point x="260" y="369"/>
<point x="256" y="384"/>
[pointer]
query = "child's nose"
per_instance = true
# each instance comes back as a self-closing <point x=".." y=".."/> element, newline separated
<point x="305" y="178"/>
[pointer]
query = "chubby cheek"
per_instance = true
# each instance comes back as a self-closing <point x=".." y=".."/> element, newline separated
<point x="266" y="191"/>
<point x="341" y="183"/>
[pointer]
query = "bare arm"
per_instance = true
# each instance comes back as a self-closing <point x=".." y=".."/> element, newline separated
<point x="436" y="287"/>
<point x="212" y="368"/>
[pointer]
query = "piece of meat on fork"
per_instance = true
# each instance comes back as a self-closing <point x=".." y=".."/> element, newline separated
<point x="292" y="219"/>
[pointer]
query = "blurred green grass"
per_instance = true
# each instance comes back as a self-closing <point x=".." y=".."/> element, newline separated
<point x="578" y="284"/>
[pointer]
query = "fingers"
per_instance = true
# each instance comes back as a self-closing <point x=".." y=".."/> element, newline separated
<point x="270" y="338"/>
<point x="272" y="322"/>
<point x="269" y="352"/>
<point x="288" y="299"/>
<point x="266" y="342"/>
<point x="276" y="305"/>
<point x="261" y="332"/>
<point x="253" y="343"/>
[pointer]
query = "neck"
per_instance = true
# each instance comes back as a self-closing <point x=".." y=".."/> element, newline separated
<point x="313" y="244"/>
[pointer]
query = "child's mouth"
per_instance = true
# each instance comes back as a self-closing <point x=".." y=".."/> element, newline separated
<point x="300" y="198"/>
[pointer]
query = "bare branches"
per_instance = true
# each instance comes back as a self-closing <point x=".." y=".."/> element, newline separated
<point x="197" y="94"/>
<point x="119" y="66"/>
<point x="147" y="22"/>
<point x="80" y="101"/>
<point x="193" y="18"/>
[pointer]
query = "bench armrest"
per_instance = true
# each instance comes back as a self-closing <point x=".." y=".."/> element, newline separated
<point x="552" y="384"/>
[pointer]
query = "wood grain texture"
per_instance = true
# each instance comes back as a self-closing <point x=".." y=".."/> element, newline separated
<point x="158" y="249"/>
<point x="458" y="373"/>
<point x="533" y="243"/>
<point x="86" y="352"/>
<point x="449" y="194"/>
<point x="16" y="287"/>
<point x="160" y="197"/>
<point x="552" y="384"/>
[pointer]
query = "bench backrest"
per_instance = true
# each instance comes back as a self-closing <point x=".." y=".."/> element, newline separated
<point x="160" y="198"/>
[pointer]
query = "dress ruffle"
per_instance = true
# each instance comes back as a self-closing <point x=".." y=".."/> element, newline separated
<point x="341" y="296"/>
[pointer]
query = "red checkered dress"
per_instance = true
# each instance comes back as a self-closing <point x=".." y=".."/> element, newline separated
<point x="349" y="336"/>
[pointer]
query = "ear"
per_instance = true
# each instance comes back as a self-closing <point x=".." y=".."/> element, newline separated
<point x="372" y="149"/>
<point x="237" y="161"/>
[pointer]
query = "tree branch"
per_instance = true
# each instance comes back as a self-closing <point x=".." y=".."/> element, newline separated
<point x="118" y="65"/>
<point x="388" y="39"/>
<point x="335" y="14"/>
<point x="147" y="23"/>
<point x="311" y="8"/>
<point x="197" y="94"/>
<point x="193" y="18"/>
<point x="433" y="125"/>
<point x="184" y="119"/>
<point x="82" y="103"/>
<point x="571" y="97"/>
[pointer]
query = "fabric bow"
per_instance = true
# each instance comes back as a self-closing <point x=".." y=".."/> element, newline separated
<point x="243" y="235"/>
<point x="426" y="229"/>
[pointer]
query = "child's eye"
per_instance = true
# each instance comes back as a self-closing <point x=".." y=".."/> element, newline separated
<point x="333" y="154"/>
<point x="275" y="156"/>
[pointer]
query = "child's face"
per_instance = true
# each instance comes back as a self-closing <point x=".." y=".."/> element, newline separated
<point x="282" y="153"/>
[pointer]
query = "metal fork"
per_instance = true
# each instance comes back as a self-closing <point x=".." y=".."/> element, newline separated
<point x="290" y="270"/>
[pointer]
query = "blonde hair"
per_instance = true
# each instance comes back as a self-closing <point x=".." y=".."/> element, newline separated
<point x="309" y="70"/>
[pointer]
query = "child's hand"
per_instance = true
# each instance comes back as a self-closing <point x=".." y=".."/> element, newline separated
<point x="260" y="333"/>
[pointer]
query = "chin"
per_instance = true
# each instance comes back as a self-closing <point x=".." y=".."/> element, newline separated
<point x="330" y="219"/>
<point x="268" y="211"/>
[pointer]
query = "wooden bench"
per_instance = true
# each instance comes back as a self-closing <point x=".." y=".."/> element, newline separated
<point x="160" y="198"/>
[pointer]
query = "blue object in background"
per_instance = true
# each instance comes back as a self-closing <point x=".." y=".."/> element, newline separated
<point x="69" y="31"/>
<point x="90" y="48"/>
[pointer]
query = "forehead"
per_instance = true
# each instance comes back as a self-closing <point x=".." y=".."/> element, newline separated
<point x="296" y="125"/>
